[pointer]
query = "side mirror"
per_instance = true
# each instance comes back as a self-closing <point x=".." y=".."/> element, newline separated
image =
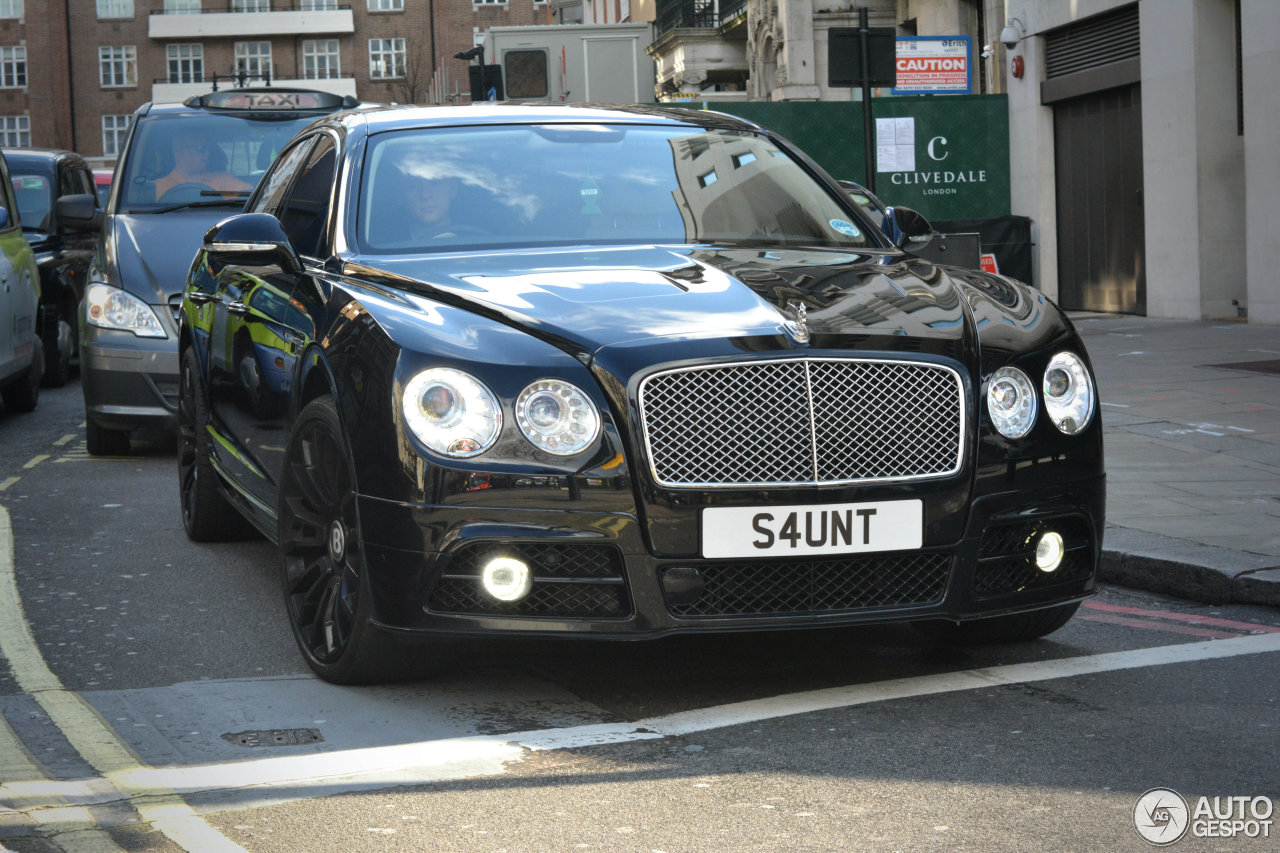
<point x="78" y="212"/>
<point x="252" y="239"/>
<point x="913" y="229"/>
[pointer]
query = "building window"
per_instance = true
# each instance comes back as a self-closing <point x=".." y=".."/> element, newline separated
<point x="254" y="58"/>
<point x="15" y="131"/>
<point x="386" y="58"/>
<point x="386" y="6"/>
<point x="319" y="5"/>
<point x="488" y="2"/>
<point x="13" y="67"/>
<point x="113" y="130"/>
<point x="186" y="63"/>
<point x="320" y="59"/>
<point x="115" y="8"/>
<point x="182" y="7"/>
<point x="10" y="8"/>
<point x="118" y="66"/>
<point x="251" y="6"/>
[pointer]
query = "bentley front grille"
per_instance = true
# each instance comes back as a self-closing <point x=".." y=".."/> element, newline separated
<point x="802" y="422"/>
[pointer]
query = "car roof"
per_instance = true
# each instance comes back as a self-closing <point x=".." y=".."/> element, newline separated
<point x="32" y="156"/>
<point x="384" y="118"/>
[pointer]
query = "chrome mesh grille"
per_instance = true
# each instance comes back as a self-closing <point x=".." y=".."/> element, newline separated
<point x="802" y="421"/>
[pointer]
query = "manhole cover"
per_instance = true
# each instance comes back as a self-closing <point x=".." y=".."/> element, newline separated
<point x="274" y="737"/>
<point x="1272" y="366"/>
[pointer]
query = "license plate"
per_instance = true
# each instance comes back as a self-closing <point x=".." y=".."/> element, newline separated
<point x="781" y="531"/>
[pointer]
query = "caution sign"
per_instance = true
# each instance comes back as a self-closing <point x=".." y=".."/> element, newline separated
<point x="933" y="65"/>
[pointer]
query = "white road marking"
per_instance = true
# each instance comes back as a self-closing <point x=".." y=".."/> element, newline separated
<point x="88" y="733"/>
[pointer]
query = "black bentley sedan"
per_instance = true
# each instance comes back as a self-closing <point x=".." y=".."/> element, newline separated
<point x="533" y="370"/>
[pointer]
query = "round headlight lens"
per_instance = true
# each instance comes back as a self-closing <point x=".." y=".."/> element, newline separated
<point x="557" y="417"/>
<point x="452" y="412"/>
<point x="1068" y="393"/>
<point x="1011" y="402"/>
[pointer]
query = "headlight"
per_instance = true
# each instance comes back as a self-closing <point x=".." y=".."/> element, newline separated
<point x="452" y="412"/>
<point x="111" y="308"/>
<point x="557" y="417"/>
<point x="1011" y="402"/>
<point x="1068" y="393"/>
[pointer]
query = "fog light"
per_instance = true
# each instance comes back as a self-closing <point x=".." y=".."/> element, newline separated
<point x="1049" y="552"/>
<point x="506" y="579"/>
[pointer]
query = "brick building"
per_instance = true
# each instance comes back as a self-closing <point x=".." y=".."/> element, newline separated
<point x="73" y="71"/>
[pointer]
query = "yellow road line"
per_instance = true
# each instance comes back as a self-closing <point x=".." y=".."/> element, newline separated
<point x="86" y="730"/>
<point x="66" y="439"/>
<point x="70" y="828"/>
<point x="9" y="482"/>
<point x="36" y="461"/>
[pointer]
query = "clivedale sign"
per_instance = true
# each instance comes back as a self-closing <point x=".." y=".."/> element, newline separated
<point x="939" y="181"/>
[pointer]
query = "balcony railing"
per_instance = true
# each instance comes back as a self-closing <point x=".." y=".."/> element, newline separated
<point x="698" y="14"/>
<point x="253" y="8"/>
<point x="283" y="18"/>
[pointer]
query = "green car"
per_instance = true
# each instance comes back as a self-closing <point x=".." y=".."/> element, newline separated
<point x="21" y="352"/>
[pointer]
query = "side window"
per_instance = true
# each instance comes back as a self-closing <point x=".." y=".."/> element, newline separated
<point x="8" y="211"/>
<point x="306" y="210"/>
<point x="83" y="180"/>
<point x="273" y="188"/>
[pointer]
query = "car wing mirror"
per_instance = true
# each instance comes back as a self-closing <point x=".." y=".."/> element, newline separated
<point x="911" y="228"/>
<point x="78" y="212"/>
<point x="252" y="239"/>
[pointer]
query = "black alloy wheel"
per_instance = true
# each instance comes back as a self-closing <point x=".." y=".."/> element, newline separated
<point x="206" y="515"/>
<point x="326" y="588"/>
<point x="1016" y="628"/>
<point x="22" y="394"/>
<point x="59" y="337"/>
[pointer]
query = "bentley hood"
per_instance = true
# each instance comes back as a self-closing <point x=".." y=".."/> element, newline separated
<point x="654" y="296"/>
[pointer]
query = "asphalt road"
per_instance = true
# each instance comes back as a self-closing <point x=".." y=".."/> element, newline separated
<point x="153" y="700"/>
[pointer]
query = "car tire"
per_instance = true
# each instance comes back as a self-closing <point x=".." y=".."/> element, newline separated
<point x="206" y="514"/>
<point x="1017" y="628"/>
<point x="23" y="393"/>
<point x="326" y="585"/>
<point x="57" y="353"/>
<point x="106" y="442"/>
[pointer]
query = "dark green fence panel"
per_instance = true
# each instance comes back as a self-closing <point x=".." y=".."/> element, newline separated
<point x="960" y="142"/>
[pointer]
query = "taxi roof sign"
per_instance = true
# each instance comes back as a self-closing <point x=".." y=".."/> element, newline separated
<point x="271" y="99"/>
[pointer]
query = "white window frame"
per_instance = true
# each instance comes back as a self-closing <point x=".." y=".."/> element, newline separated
<point x="256" y="62"/>
<point x="187" y="60"/>
<point x="490" y="2"/>
<point x="115" y="8"/>
<point x="250" y="6"/>
<point x="11" y="9"/>
<point x="117" y="66"/>
<point x="15" y="131"/>
<point x="114" y="129"/>
<point x="317" y="50"/>
<point x="386" y="5"/>
<point x="13" y="67"/>
<point x="319" y="5"/>
<point x="382" y="50"/>
<point x="182" y="7"/>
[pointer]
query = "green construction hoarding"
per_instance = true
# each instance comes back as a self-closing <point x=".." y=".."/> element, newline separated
<point x="947" y="156"/>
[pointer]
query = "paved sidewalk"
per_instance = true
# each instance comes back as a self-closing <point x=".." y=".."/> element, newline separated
<point x="1191" y="418"/>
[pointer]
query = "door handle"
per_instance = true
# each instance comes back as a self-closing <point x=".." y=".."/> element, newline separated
<point x="237" y="308"/>
<point x="199" y="297"/>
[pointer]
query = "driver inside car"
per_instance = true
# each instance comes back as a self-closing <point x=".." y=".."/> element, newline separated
<point x="193" y="164"/>
<point x="430" y="203"/>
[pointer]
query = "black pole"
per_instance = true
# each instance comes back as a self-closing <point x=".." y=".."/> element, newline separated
<point x="868" y="127"/>
<point x="484" y="86"/>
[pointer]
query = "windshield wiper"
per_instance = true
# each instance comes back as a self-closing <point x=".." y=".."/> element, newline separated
<point x="222" y="199"/>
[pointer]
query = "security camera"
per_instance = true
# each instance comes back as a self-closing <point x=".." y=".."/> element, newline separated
<point x="1012" y="33"/>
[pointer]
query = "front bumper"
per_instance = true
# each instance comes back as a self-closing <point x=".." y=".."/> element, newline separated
<point x="594" y="575"/>
<point x="129" y="382"/>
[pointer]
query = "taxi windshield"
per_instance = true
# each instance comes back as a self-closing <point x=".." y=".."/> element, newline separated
<point x="428" y="190"/>
<point x="201" y="159"/>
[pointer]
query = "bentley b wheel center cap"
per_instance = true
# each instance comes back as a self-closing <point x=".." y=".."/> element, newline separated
<point x="337" y="541"/>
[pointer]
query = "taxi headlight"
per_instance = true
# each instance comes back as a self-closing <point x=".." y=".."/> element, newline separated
<point x="452" y="412"/>
<point x="1011" y="402"/>
<point x="112" y="308"/>
<point x="557" y="417"/>
<point x="1068" y="393"/>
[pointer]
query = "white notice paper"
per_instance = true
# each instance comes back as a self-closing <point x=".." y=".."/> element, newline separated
<point x="896" y="144"/>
